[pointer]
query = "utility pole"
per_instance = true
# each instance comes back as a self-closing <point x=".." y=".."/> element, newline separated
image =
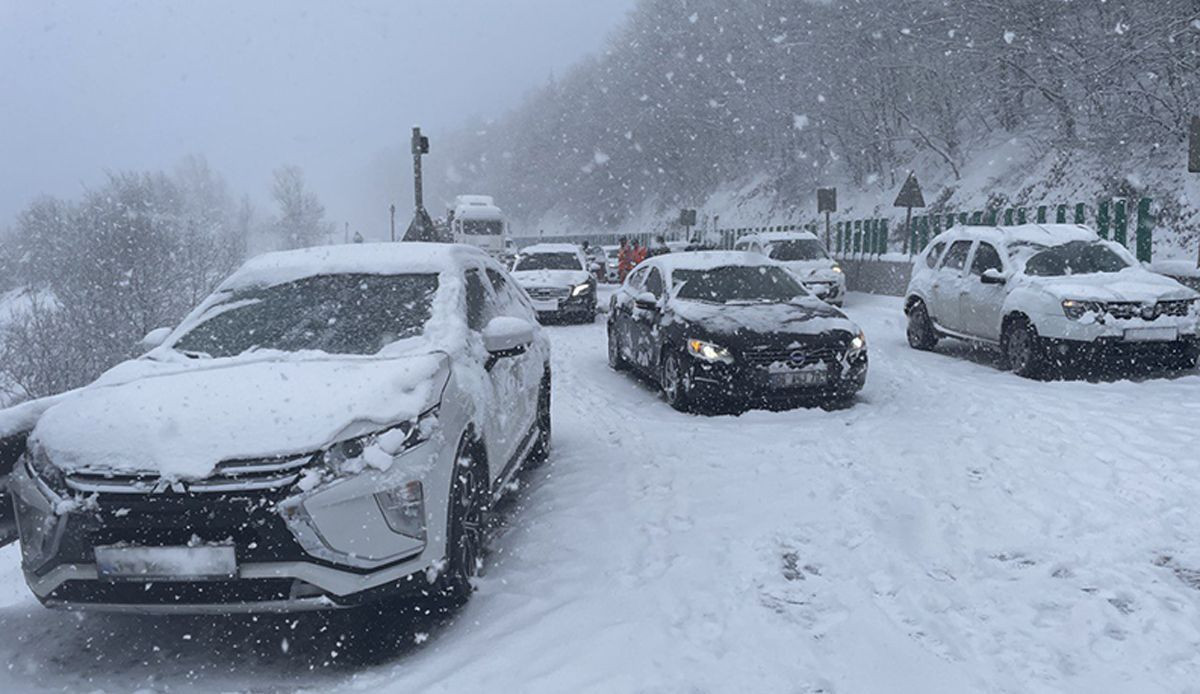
<point x="346" y="233"/>
<point x="421" y="228"/>
<point x="393" y="211"/>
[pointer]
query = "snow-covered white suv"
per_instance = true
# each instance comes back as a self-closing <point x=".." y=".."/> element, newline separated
<point x="1048" y="294"/>
<point x="557" y="279"/>
<point x="328" y="428"/>
<point x="803" y="254"/>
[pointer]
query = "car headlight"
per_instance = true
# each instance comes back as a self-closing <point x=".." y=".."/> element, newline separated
<point x="858" y="345"/>
<point x="46" y="472"/>
<point x="581" y="289"/>
<point x="837" y="269"/>
<point x="1075" y="309"/>
<point x="708" y="351"/>
<point x="378" y="449"/>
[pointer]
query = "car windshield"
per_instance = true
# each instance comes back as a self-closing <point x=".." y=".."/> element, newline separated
<point x="482" y="227"/>
<point x="548" y="261"/>
<point x="1075" y="258"/>
<point x="337" y="314"/>
<point x="798" y="249"/>
<point x="738" y="284"/>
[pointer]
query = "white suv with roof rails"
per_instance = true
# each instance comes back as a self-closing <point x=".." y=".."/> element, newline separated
<point x="1048" y="294"/>
<point x="804" y="254"/>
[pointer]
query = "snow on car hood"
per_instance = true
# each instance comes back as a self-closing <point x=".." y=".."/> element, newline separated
<point x="809" y="317"/>
<point x="1130" y="284"/>
<point x="819" y="268"/>
<point x="180" y="423"/>
<point x="550" y="278"/>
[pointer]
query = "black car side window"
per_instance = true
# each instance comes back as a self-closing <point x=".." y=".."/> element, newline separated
<point x="654" y="283"/>
<point x="986" y="258"/>
<point x="636" y="279"/>
<point x="956" y="257"/>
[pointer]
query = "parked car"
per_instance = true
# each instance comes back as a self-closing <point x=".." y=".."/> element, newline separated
<point x="612" y="270"/>
<point x="1048" y="294"/>
<point x="328" y="428"/>
<point x="724" y="328"/>
<point x="804" y="254"/>
<point x="557" y="279"/>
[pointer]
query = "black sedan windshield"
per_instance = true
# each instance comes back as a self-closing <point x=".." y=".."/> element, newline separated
<point x="337" y="314"/>
<point x="1075" y="258"/>
<point x="548" y="261"/>
<point x="798" y="249"/>
<point x="738" y="284"/>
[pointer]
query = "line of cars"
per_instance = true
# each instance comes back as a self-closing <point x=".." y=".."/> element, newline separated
<point x="333" y="426"/>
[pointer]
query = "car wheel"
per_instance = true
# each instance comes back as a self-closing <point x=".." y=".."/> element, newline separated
<point x="616" y="361"/>
<point x="467" y="526"/>
<point x="1022" y="349"/>
<point x="921" y="334"/>
<point x="673" y="382"/>
<point x="540" y="452"/>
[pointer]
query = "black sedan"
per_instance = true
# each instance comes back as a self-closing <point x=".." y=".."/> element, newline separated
<point x="729" y="329"/>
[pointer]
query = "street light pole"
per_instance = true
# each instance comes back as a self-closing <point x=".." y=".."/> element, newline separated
<point x="393" y="211"/>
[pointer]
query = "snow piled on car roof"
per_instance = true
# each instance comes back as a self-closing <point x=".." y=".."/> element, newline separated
<point x="1039" y="234"/>
<point x="364" y="258"/>
<point x="707" y="260"/>
<point x="550" y="248"/>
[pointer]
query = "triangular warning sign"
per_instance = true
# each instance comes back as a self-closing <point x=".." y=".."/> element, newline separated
<point x="910" y="195"/>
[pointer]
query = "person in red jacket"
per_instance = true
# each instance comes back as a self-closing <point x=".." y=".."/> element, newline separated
<point x="625" y="260"/>
<point x="639" y="253"/>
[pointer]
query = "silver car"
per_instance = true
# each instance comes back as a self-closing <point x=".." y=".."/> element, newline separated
<point x="328" y="428"/>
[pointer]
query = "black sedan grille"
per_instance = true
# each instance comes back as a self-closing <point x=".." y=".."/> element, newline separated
<point x="796" y="358"/>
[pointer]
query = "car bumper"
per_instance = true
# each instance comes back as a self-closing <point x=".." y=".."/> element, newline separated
<point x="1105" y="351"/>
<point x="721" y="384"/>
<point x="332" y="554"/>
<point x="573" y="307"/>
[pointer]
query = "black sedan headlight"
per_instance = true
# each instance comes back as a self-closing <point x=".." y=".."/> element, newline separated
<point x="46" y="472"/>
<point x="581" y="289"/>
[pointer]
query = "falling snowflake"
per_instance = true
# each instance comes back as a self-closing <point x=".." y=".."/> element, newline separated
<point x="800" y="121"/>
<point x="1009" y="36"/>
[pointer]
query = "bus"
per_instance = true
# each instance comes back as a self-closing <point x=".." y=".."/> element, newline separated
<point x="476" y="221"/>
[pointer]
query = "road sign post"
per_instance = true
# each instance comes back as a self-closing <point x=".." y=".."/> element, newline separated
<point x="422" y="227"/>
<point x="827" y="203"/>
<point x="910" y="196"/>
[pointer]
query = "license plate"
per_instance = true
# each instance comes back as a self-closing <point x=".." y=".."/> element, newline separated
<point x="799" y="379"/>
<point x="1169" y="334"/>
<point x="544" y="306"/>
<point x="209" y="563"/>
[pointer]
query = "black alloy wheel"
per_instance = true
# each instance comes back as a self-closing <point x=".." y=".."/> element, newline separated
<point x="921" y="334"/>
<point x="467" y="533"/>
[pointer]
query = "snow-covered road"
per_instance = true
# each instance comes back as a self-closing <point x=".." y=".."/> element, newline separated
<point x="959" y="529"/>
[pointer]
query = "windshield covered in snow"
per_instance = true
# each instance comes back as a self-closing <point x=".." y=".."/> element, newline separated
<point x="738" y="284"/>
<point x="798" y="249"/>
<point x="548" y="261"/>
<point x="337" y="314"/>
<point x="482" y="227"/>
<point x="1074" y="258"/>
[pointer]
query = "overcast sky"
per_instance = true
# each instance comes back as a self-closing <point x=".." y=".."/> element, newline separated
<point x="89" y="86"/>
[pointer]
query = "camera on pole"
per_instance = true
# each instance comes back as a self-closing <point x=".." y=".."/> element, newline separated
<point x="422" y="227"/>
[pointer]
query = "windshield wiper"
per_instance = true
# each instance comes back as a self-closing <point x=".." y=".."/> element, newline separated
<point x="193" y="354"/>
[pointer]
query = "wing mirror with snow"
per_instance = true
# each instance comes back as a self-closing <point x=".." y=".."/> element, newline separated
<point x="153" y="339"/>
<point x="506" y="336"/>
<point x="993" y="276"/>
<point x="646" y="301"/>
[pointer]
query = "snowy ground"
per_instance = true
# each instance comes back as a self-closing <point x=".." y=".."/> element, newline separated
<point x="957" y="530"/>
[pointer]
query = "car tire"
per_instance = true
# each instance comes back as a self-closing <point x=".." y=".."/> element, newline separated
<point x="616" y="360"/>
<point x="1022" y="349"/>
<point x="673" y="384"/>
<point x="466" y="528"/>
<point x="540" y="452"/>
<point x="920" y="331"/>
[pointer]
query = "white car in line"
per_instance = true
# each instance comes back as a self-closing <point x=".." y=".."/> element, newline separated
<point x="804" y="254"/>
<point x="330" y="427"/>
<point x="557" y="279"/>
<point x="1049" y="294"/>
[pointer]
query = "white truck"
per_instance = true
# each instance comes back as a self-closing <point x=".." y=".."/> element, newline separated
<point x="476" y="221"/>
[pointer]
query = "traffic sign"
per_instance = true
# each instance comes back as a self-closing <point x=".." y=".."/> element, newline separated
<point x="910" y="194"/>
<point x="826" y="200"/>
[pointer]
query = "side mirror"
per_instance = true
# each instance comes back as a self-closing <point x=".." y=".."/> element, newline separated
<point x="992" y="276"/>
<point x="153" y="339"/>
<point x="646" y="301"/>
<point x="505" y="336"/>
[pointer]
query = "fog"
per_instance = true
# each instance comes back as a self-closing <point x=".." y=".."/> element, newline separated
<point x="332" y="87"/>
